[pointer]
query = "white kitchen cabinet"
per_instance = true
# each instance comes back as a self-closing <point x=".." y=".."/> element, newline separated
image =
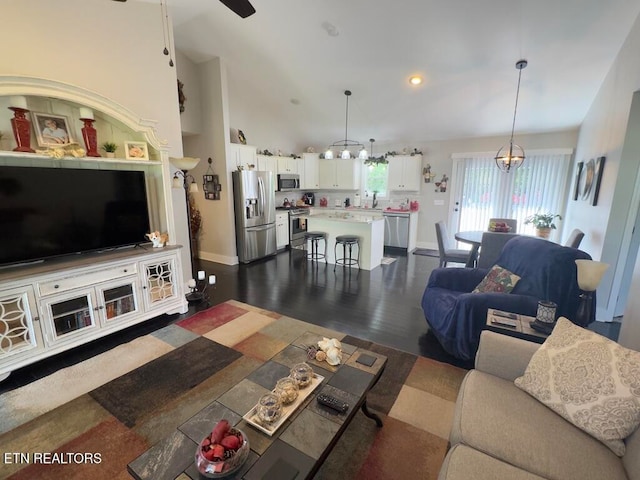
<point x="52" y="307"/>
<point x="405" y="173"/>
<point x="282" y="230"/>
<point x="267" y="163"/>
<point x="288" y="165"/>
<point x="243" y="155"/>
<point x="311" y="178"/>
<point x="339" y="174"/>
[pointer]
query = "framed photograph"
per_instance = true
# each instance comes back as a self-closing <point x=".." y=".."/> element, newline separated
<point x="51" y="130"/>
<point x="136" y="150"/>
<point x="599" y="167"/>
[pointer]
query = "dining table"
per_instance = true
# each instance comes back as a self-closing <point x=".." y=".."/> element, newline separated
<point x="473" y="238"/>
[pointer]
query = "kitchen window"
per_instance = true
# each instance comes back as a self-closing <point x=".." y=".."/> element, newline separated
<point x="375" y="178"/>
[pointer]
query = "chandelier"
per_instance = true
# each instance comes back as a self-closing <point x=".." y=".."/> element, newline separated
<point x="511" y="157"/>
<point x="344" y="145"/>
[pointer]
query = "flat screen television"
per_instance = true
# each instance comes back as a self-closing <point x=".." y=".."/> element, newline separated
<point x="49" y="212"/>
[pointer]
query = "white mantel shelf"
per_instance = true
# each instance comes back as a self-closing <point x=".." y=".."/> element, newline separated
<point x="37" y="156"/>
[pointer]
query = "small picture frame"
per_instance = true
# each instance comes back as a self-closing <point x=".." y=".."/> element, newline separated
<point x="136" y="150"/>
<point x="51" y="130"/>
<point x="211" y="186"/>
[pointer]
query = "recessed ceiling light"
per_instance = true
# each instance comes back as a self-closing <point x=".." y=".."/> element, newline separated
<point x="415" y="80"/>
<point x="295" y="101"/>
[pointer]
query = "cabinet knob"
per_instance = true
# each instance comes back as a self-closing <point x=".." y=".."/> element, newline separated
<point x="125" y="270"/>
<point x="101" y="307"/>
<point x="36" y="319"/>
<point x="56" y="286"/>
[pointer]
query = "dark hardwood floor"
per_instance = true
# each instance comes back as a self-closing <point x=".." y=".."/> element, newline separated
<point x="382" y="306"/>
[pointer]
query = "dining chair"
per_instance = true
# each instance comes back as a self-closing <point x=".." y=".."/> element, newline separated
<point x="446" y="251"/>
<point x="512" y="222"/>
<point x="575" y="237"/>
<point x="491" y="247"/>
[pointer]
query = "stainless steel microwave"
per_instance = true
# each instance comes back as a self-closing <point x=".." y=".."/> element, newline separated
<point x="288" y="181"/>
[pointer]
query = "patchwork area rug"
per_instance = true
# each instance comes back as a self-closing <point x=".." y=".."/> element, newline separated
<point x="88" y="421"/>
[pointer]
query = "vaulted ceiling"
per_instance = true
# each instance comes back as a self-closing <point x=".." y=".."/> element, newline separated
<point x="300" y="55"/>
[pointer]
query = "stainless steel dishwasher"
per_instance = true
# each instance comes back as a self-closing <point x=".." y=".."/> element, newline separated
<point x="396" y="230"/>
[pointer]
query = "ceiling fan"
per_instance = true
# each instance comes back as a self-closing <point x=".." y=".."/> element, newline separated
<point x="241" y="7"/>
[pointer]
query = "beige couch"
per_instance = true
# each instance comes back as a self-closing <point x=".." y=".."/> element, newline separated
<point x="501" y="432"/>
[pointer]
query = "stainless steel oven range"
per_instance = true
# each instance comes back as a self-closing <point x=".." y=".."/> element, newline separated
<point x="297" y="227"/>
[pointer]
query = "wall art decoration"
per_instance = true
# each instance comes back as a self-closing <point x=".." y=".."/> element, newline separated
<point x="599" y="168"/>
<point x="576" y="192"/>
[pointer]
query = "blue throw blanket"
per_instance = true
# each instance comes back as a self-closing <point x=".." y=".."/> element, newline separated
<point x="456" y="316"/>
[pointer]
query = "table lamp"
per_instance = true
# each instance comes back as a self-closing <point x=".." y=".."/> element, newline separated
<point x="590" y="274"/>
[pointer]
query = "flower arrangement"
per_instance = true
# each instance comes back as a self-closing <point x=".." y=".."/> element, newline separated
<point x="542" y="220"/>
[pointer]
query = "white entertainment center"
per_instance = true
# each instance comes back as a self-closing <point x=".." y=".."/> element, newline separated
<point x="51" y="306"/>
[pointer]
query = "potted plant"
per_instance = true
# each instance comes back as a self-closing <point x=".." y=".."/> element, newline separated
<point x="543" y="223"/>
<point x="110" y="148"/>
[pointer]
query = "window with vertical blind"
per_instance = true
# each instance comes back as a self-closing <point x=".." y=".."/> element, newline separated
<point x="483" y="191"/>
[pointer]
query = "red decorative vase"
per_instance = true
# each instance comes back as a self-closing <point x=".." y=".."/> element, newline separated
<point x="90" y="137"/>
<point x="21" y="130"/>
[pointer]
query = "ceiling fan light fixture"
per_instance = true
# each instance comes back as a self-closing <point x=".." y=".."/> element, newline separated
<point x="511" y="156"/>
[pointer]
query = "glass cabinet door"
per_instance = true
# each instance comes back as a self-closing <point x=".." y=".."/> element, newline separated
<point x="71" y="315"/>
<point x="119" y="301"/>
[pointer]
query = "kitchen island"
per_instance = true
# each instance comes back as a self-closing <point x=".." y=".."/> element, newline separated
<point x="369" y="228"/>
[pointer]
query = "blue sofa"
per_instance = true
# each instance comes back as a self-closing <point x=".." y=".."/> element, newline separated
<point x="457" y="317"/>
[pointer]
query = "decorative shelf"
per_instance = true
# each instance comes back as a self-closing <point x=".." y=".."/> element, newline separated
<point x="36" y="156"/>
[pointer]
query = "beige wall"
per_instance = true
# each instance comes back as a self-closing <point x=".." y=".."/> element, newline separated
<point x="608" y="225"/>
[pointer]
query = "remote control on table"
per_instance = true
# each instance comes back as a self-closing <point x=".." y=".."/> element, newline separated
<point x="333" y="403"/>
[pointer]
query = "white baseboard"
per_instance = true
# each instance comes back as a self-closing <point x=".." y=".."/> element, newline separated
<point x="214" y="257"/>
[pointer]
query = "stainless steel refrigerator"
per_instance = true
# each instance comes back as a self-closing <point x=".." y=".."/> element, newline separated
<point x="255" y="207"/>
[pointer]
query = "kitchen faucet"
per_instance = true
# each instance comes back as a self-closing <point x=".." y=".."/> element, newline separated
<point x="374" y="204"/>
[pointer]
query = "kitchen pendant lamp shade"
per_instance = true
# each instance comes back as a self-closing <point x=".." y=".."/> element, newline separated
<point x="343" y="146"/>
<point x="511" y="156"/>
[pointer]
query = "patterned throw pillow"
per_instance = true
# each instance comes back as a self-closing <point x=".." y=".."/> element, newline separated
<point x="589" y="380"/>
<point x="497" y="280"/>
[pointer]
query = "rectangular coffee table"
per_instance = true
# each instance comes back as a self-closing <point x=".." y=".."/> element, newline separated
<point x="300" y="445"/>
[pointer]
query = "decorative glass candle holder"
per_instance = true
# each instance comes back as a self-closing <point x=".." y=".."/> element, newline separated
<point x="302" y="373"/>
<point x="269" y="408"/>
<point x="287" y="390"/>
<point x="546" y="312"/>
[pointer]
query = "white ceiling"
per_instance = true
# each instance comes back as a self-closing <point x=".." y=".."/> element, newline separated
<point x="465" y="49"/>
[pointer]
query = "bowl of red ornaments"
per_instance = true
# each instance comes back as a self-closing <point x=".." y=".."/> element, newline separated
<point x="222" y="452"/>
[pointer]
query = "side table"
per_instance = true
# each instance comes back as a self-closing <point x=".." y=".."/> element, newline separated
<point x="498" y="320"/>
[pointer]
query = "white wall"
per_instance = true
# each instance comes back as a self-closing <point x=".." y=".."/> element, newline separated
<point x="89" y="44"/>
<point x="603" y="133"/>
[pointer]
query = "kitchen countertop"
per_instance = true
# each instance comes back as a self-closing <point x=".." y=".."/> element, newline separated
<point x="346" y="217"/>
